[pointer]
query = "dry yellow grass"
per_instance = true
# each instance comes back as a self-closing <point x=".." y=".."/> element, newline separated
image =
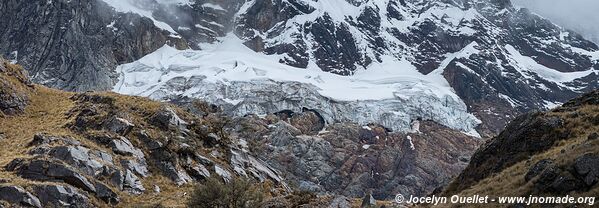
<point x="48" y="112"/>
<point x="510" y="181"/>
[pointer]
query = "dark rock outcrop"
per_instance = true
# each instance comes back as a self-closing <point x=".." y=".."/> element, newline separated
<point x="13" y="89"/>
<point x="549" y="150"/>
<point x="348" y="159"/>
<point x="68" y="44"/>
<point x="587" y="167"/>
<point x="43" y="170"/>
<point x="18" y="195"/>
<point x="61" y="196"/>
<point x="526" y="135"/>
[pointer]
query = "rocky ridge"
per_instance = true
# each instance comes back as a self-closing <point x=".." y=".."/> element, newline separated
<point x="103" y="149"/>
<point x="543" y="153"/>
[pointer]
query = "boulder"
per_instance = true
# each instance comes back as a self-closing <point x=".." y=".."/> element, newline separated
<point x="132" y="184"/>
<point x="117" y="178"/>
<point x="106" y="194"/>
<point x="61" y="196"/>
<point x="123" y="146"/>
<point x="150" y="143"/>
<point x="171" y="171"/>
<point x="167" y="118"/>
<point x="557" y="181"/>
<point x="118" y="125"/>
<point x="66" y="174"/>
<point x="43" y="170"/>
<point x="587" y="167"/>
<point x="368" y="201"/>
<point x="537" y="168"/>
<point x="18" y="195"/>
<point x="199" y="172"/>
<point x="138" y="166"/>
<point x="83" y="159"/>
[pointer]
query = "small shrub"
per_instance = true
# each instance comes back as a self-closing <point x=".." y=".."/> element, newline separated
<point x="239" y="193"/>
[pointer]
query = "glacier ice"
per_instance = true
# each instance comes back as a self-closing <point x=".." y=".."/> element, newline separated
<point x="245" y="82"/>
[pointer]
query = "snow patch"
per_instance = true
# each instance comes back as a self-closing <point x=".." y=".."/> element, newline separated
<point x="529" y="67"/>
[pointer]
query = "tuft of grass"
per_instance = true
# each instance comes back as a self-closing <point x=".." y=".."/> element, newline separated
<point x="239" y="193"/>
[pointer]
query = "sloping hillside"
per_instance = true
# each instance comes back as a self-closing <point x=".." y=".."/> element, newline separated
<point x="100" y="149"/>
<point x="554" y="153"/>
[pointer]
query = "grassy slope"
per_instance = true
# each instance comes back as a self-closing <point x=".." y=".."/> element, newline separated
<point x="48" y="112"/>
<point x="510" y="181"/>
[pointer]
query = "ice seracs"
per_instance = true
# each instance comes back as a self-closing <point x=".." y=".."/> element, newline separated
<point x="391" y="93"/>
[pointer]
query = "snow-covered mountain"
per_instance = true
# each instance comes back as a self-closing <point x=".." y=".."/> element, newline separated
<point x="456" y="62"/>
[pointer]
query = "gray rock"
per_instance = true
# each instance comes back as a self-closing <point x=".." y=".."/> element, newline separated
<point x="536" y="169"/>
<point x="124" y="147"/>
<point x="368" y="201"/>
<point x="310" y="186"/>
<point x="18" y="195"/>
<point x="89" y="62"/>
<point x="46" y="139"/>
<point x="156" y="189"/>
<point x="199" y="172"/>
<point x="117" y="179"/>
<point x="47" y="170"/>
<point x="106" y="194"/>
<point x="283" y="133"/>
<point x="69" y="176"/>
<point x="340" y="202"/>
<point x="83" y="159"/>
<point x="247" y="165"/>
<point x="212" y="139"/>
<point x="167" y="118"/>
<point x="587" y="166"/>
<point x="12" y="101"/>
<point x="224" y="174"/>
<point x="555" y="180"/>
<point x="150" y="143"/>
<point x="118" y="125"/>
<point x="132" y="184"/>
<point x="171" y="171"/>
<point x="61" y="196"/>
<point x="203" y="160"/>
<point x="138" y="166"/>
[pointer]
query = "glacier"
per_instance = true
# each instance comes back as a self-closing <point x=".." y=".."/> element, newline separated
<point x="391" y="93"/>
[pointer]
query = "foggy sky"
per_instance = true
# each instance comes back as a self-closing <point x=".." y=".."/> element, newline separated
<point x="581" y="16"/>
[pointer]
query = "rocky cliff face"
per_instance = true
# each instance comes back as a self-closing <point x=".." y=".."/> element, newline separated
<point x="551" y="152"/>
<point x="494" y="58"/>
<point x="351" y="160"/>
<point x="76" y="45"/>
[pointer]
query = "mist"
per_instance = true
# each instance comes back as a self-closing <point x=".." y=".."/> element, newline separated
<point x="581" y="16"/>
